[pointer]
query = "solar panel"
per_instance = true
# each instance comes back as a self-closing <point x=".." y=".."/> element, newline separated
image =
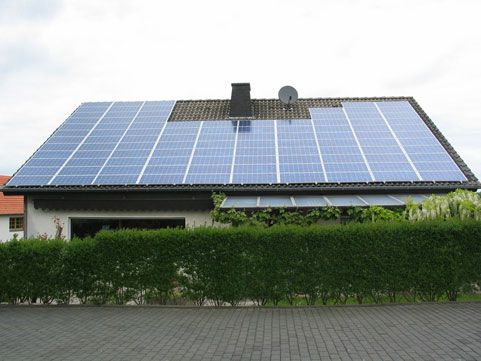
<point x="133" y="143"/>
<point x="255" y="157"/>
<point x="129" y="157"/>
<point x="378" y="143"/>
<point x="300" y="160"/>
<point x="427" y="154"/>
<point x="170" y="158"/>
<point x="46" y="161"/>
<point x="213" y="155"/>
<point x="343" y="157"/>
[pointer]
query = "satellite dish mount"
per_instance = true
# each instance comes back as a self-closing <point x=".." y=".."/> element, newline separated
<point x="288" y="96"/>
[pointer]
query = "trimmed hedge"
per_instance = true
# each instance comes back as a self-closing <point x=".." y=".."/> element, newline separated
<point x="423" y="260"/>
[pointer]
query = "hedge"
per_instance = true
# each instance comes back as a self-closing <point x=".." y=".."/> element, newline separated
<point x="378" y="261"/>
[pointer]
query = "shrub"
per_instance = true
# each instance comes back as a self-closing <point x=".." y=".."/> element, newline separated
<point x="365" y="261"/>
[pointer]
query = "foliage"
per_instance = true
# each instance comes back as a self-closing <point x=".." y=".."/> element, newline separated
<point x="371" y="261"/>
<point x="269" y="217"/>
<point x="377" y="214"/>
<point x="462" y="204"/>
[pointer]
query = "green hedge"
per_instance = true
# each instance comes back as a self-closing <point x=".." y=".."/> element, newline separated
<point x="375" y="262"/>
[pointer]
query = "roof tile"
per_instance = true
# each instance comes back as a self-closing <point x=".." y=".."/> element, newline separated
<point x="10" y="205"/>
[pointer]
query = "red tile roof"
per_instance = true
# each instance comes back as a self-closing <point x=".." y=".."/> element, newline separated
<point x="10" y="204"/>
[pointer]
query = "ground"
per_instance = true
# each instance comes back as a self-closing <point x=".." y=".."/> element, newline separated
<point x="398" y="332"/>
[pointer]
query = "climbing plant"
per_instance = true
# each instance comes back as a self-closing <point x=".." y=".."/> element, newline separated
<point x="460" y="204"/>
<point x="268" y="217"/>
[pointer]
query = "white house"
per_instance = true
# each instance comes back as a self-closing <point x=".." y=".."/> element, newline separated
<point x="11" y="214"/>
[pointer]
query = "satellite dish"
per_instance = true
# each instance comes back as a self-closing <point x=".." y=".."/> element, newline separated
<point x="288" y="96"/>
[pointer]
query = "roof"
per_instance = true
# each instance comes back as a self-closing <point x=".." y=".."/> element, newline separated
<point x="11" y="205"/>
<point x="268" y="109"/>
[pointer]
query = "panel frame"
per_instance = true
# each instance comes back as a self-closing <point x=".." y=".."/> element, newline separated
<point x="194" y="147"/>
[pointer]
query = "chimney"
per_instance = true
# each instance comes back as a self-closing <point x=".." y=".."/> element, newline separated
<point x="240" y="101"/>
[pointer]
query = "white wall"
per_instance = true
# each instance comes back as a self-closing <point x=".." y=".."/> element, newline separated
<point x="5" y="234"/>
<point x="40" y="221"/>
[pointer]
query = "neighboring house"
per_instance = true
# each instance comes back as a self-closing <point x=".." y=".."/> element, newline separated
<point x="11" y="214"/>
<point x="154" y="164"/>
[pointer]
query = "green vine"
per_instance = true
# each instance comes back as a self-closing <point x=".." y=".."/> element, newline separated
<point x="268" y="217"/>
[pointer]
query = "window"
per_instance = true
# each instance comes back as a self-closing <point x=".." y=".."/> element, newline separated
<point x="16" y="224"/>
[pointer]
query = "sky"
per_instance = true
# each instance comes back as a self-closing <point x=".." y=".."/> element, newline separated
<point x="57" y="54"/>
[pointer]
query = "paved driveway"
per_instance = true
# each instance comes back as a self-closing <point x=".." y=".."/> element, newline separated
<point x="419" y="332"/>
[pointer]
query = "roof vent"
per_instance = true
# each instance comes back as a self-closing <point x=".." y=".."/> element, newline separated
<point x="240" y="101"/>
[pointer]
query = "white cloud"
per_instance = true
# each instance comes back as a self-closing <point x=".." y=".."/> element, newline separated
<point x="56" y="56"/>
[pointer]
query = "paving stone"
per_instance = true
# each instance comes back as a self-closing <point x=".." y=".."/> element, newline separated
<point x="394" y="332"/>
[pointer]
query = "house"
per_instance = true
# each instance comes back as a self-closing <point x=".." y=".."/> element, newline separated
<point x="152" y="164"/>
<point x="11" y="214"/>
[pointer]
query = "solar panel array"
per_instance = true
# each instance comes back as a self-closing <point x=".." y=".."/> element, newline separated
<point x="126" y="143"/>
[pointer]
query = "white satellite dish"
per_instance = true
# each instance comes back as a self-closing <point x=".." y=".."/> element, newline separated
<point x="288" y="96"/>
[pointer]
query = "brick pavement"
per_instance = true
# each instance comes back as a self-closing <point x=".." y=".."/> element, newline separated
<point x="401" y="332"/>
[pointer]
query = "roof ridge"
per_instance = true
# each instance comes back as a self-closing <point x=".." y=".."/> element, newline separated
<point x="369" y="98"/>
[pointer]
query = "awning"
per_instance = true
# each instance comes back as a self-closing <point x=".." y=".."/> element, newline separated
<point x="313" y="201"/>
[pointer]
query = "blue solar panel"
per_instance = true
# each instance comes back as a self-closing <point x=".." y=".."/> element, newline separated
<point x="129" y="156"/>
<point x="171" y="155"/>
<point x="213" y="155"/>
<point x="375" y="139"/>
<point x="425" y="151"/>
<point x="85" y="117"/>
<point x="255" y="158"/>
<point x="299" y="156"/>
<point x="97" y="145"/>
<point x="132" y="143"/>
<point x="343" y="159"/>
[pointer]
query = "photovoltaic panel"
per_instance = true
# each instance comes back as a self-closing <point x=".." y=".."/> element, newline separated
<point x="427" y="154"/>
<point x="98" y="145"/>
<point x="299" y="157"/>
<point x="133" y="143"/>
<point x="342" y="156"/>
<point x="255" y="158"/>
<point x="130" y="154"/>
<point x="378" y="143"/>
<point x="172" y="153"/>
<point x="212" y="158"/>
<point x="43" y="165"/>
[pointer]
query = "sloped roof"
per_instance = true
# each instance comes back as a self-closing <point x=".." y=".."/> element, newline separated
<point x="264" y="109"/>
<point x="10" y="205"/>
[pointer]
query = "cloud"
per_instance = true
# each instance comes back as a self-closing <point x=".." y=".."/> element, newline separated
<point x="24" y="59"/>
<point x="56" y="54"/>
<point x="431" y="72"/>
<point x="28" y="10"/>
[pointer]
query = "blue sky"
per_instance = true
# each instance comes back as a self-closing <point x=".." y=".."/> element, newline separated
<point x="56" y="54"/>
